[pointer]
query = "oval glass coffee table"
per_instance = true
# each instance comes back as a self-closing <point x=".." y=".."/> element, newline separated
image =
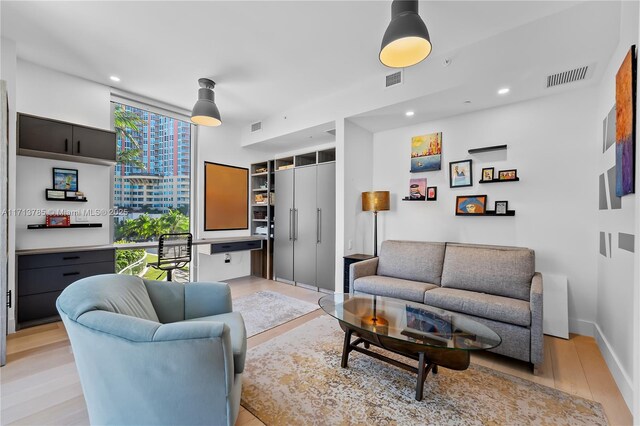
<point x="431" y="336"/>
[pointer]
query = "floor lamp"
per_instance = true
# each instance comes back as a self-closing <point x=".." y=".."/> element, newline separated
<point x="375" y="201"/>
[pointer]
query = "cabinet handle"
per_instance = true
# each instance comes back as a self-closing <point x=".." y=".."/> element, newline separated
<point x="319" y="226"/>
<point x="70" y="257"/>
<point x="290" y="225"/>
<point x="68" y="274"/>
<point x="295" y="229"/>
<point x="78" y="147"/>
<point x="66" y="145"/>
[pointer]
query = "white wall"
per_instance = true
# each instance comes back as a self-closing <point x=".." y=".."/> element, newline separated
<point x="220" y="145"/>
<point x="358" y="178"/>
<point x="550" y="142"/>
<point x="615" y="285"/>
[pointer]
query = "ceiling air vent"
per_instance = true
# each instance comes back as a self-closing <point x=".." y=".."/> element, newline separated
<point x="255" y="127"/>
<point x="567" y="76"/>
<point x="393" y="79"/>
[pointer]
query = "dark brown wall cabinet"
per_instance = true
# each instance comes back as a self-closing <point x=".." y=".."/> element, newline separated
<point x="42" y="137"/>
<point x="42" y="277"/>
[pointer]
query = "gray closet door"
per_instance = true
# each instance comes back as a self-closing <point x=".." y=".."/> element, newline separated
<point x="283" y="222"/>
<point x="326" y="212"/>
<point x="305" y="225"/>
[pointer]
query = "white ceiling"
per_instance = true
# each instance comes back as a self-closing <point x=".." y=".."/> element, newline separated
<point x="266" y="56"/>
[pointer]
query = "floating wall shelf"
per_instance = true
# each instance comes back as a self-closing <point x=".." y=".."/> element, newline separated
<point x="73" y="225"/>
<point x="413" y="199"/>
<point x="493" y="213"/>
<point x="499" y="180"/>
<point x="487" y="149"/>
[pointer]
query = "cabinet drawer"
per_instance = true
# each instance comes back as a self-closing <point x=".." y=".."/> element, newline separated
<point x="236" y="246"/>
<point x="42" y="280"/>
<point x="37" y="306"/>
<point x="62" y="259"/>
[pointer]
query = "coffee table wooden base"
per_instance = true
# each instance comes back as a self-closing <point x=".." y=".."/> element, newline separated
<point x="428" y="358"/>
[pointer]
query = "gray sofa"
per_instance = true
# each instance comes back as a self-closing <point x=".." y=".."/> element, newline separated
<point x="154" y="352"/>
<point x="495" y="285"/>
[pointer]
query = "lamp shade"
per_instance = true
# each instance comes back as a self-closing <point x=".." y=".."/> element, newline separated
<point x="375" y="201"/>
<point x="406" y="41"/>
<point x="205" y="111"/>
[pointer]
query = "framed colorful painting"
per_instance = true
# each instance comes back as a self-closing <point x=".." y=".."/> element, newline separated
<point x="626" y="124"/>
<point x="460" y="174"/>
<point x="471" y="205"/>
<point x="426" y="153"/>
<point x="418" y="189"/>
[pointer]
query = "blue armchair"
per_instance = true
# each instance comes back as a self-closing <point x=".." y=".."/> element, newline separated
<point x="152" y="352"/>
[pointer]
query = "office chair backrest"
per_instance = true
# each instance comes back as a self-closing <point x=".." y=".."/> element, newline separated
<point x="174" y="249"/>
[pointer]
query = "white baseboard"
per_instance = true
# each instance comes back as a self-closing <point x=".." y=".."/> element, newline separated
<point x="582" y="327"/>
<point x="622" y="379"/>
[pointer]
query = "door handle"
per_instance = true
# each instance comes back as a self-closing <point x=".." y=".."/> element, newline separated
<point x="70" y="257"/>
<point x="295" y="230"/>
<point x="68" y="274"/>
<point x="319" y="226"/>
<point x="290" y="224"/>
<point x="66" y="145"/>
<point x="78" y="147"/>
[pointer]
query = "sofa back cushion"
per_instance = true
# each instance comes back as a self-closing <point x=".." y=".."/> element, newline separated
<point x="412" y="260"/>
<point x="120" y="294"/>
<point x="502" y="271"/>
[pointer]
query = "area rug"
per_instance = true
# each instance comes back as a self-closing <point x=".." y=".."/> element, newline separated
<point x="267" y="309"/>
<point x="296" y="379"/>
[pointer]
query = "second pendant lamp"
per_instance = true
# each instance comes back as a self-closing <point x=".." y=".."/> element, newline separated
<point x="406" y="41"/>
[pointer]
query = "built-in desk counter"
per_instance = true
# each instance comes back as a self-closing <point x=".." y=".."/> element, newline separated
<point x="43" y="273"/>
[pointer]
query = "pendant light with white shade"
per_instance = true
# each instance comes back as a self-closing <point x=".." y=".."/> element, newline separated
<point x="205" y="111"/>
<point x="406" y="41"/>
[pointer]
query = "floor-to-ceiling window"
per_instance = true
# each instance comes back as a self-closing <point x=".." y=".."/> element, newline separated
<point x="152" y="182"/>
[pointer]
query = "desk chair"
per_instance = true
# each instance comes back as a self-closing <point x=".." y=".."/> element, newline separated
<point x="174" y="252"/>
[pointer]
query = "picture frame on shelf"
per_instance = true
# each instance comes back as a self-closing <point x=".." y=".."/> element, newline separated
<point x="65" y="179"/>
<point x="54" y="194"/>
<point x="487" y="174"/>
<point x="471" y="205"/>
<point x="511" y="174"/>
<point x="501" y="207"/>
<point x="418" y="189"/>
<point x="460" y="173"/>
<point x="58" y="221"/>
<point x="432" y="193"/>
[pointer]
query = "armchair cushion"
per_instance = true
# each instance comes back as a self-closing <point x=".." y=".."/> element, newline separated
<point x="504" y="309"/>
<point x="206" y="299"/>
<point x="238" y="334"/>
<point x="392" y="287"/>
<point x="121" y="294"/>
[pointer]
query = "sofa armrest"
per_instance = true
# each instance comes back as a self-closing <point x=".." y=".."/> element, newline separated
<point x="206" y="299"/>
<point x="362" y="269"/>
<point x="537" y="336"/>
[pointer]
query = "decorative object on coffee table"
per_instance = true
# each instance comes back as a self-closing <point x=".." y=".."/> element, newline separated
<point x="460" y="174"/>
<point x="375" y="201"/>
<point x="471" y="205"/>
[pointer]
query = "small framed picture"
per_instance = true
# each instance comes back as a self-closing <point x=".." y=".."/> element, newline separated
<point x="471" y="205"/>
<point x="460" y="174"/>
<point x="432" y="193"/>
<point x="508" y="174"/>
<point x="53" y="194"/>
<point x="417" y="189"/>
<point x="502" y="207"/>
<point x="487" y="173"/>
<point x="58" y="220"/>
<point x="65" y="179"/>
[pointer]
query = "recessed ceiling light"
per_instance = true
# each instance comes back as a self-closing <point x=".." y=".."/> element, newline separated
<point x="409" y="113"/>
<point x="114" y="78"/>
<point x="503" y="91"/>
<point x="467" y="102"/>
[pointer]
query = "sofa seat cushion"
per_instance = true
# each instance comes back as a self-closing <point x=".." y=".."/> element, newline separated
<point x="392" y="287"/>
<point x="238" y="336"/>
<point x="412" y="260"/>
<point x="498" y="308"/>
<point x="501" y="271"/>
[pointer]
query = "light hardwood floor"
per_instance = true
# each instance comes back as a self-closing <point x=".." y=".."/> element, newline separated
<point x="40" y="385"/>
